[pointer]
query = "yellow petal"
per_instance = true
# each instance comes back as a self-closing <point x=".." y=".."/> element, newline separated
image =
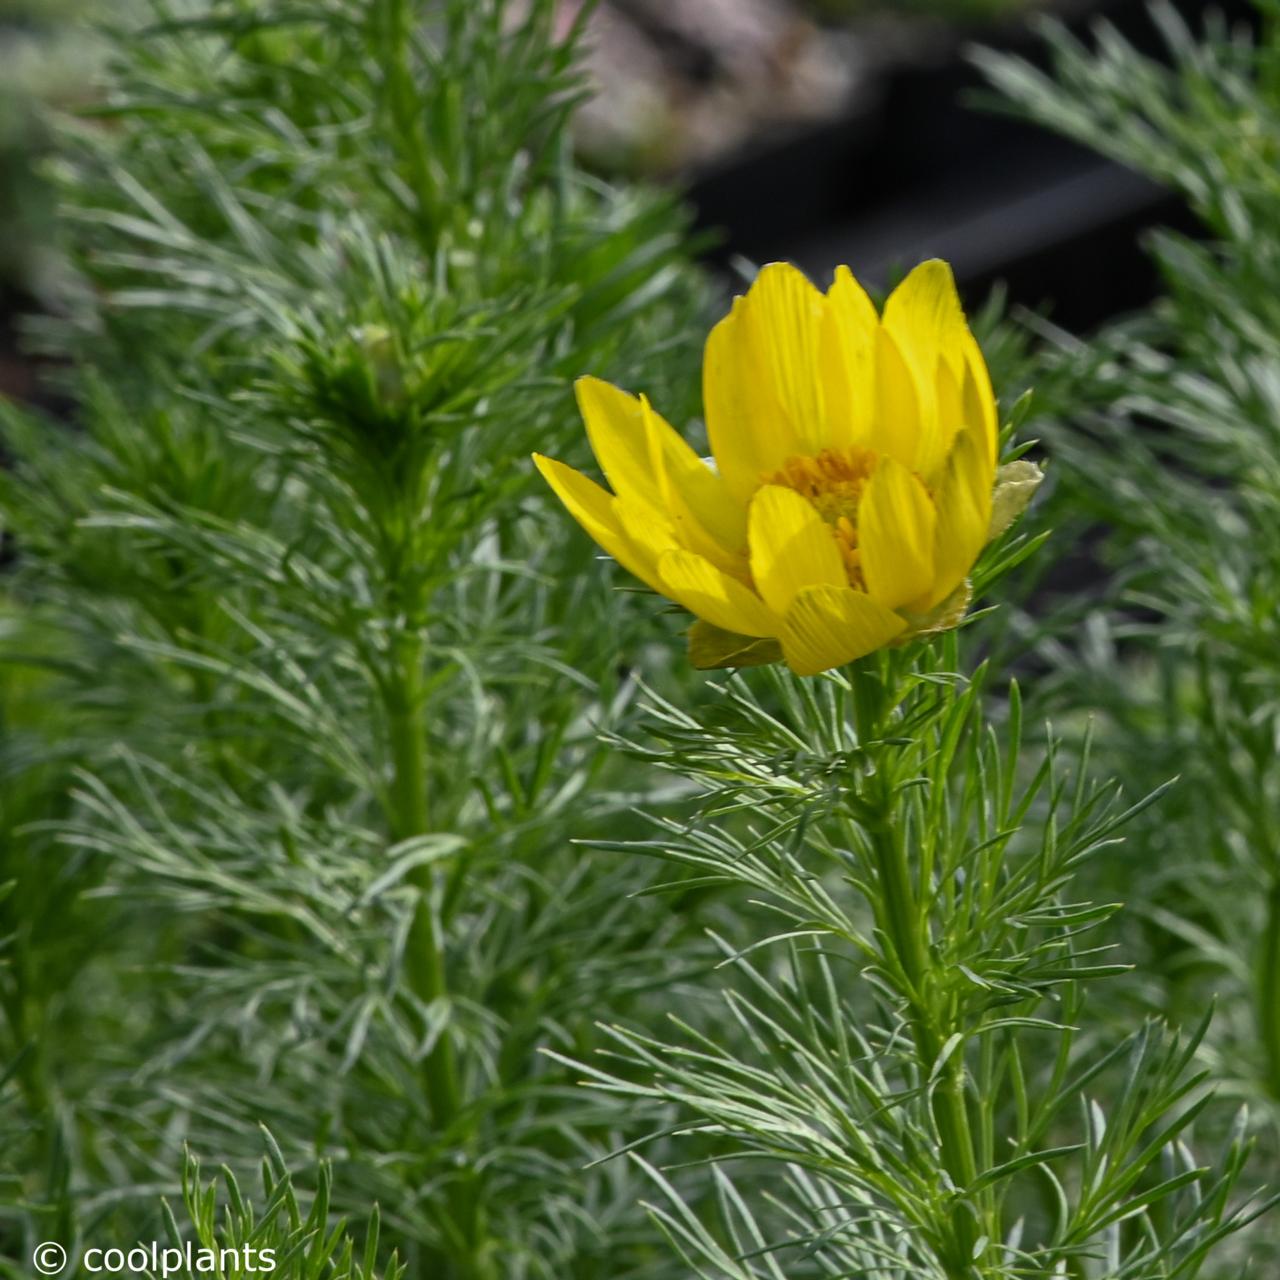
<point x="648" y="532"/>
<point x="747" y="434"/>
<point x="897" y="427"/>
<point x="650" y="466"/>
<point x="848" y="361"/>
<point x="594" y="509"/>
<point x="713" y="596"/>
<point x="925" y="316"/>
<point x="964" y="514"/>
<point x="979" y="399"/>
<point x="785" y="314"/>
<point x="615" y="427"/>
<point x="706" y="518"/>
<point x="829" y="626"/>
<point x="927" y="322"/>
<point x="950" y="401"/>
<point x="762" y="383"/>
<point x="791" y="547"/>
<point x="896" y="528"/>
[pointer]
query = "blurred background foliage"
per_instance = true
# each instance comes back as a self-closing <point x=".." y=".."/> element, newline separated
<point x="320" y="267"/>
<point x="46" y="59"/>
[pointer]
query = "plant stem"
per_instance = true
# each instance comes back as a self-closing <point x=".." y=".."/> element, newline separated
<point x="900" y="918"/>
<point x="408" y="818"/>
<point x="394" y="37"/>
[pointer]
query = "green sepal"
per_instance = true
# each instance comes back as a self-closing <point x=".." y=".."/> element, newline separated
<point x="944" y="616"/>
<point x="712" y="648"/>
<point x="1016" y="483"/>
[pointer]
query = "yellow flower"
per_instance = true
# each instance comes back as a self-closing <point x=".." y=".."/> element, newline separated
<point x="853" y="476"/>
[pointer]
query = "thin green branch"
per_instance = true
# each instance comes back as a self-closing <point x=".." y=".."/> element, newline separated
<point x="408" y="817"/>
<point x="904" y="925"/>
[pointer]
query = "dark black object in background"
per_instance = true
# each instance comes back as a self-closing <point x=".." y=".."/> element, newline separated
<point x="922" y="174"/>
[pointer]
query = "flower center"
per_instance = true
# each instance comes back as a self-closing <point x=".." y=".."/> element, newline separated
<point x="832" y="482"/>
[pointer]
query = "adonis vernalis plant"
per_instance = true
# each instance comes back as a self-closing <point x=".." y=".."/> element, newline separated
<point x="853" y="481"/>
<point x="906" y="1123"/>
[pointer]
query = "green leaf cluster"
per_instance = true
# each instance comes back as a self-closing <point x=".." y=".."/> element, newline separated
<point x="913" y="1082"/>
<point x="301" y="686"/>
<point x="1163" y="431"/>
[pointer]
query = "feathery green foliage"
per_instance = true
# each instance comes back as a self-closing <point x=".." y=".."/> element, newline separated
<point x="1165" y="429"/>
<point x="914" y="1082"/>
<point x="302" y="1243"/>
<point x="326" y="726"/>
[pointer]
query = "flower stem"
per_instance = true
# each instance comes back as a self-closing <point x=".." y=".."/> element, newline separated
<point x="903" y="924"/>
